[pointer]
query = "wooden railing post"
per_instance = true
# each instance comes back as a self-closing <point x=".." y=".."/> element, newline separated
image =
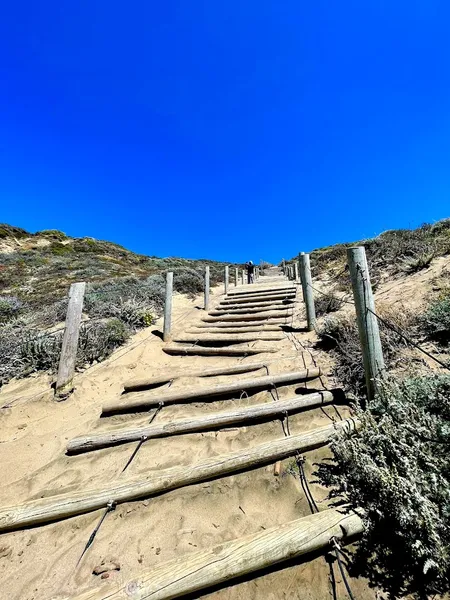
<point x="243" y="276"/>
<point x="168" y="308"/>
<point x="308" y="296"/>
<point x="283" y="267"/>
<point x="206" y="304"/>
<point x="226" y="279"/>
<point x="369" y="332"/>
<point x="296" y="270"/>
<point x="66" y="369"/>
<point x="236" y="276"/>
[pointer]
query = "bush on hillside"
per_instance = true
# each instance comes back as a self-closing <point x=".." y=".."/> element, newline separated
<point x="328" y="303"/>
<point x="436" y="319"/>
<point x="396" y="470"/>
<point x="340" y="336"/>
<point x="10" y="307"/>
<point x="188" y="281"/>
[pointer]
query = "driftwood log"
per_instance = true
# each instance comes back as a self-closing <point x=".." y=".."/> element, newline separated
<point x="144" y="401"/>
<point x="45" y="510"/>
<point x="244" y="415"/>
<point x="204" y="569"/>
<point x="139" y="384"/>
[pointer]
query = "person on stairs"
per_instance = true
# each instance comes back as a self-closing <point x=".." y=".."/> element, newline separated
<point x="250" y="271"/>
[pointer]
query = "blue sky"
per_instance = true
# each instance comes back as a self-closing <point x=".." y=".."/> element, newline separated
<point x="227" y="130"/>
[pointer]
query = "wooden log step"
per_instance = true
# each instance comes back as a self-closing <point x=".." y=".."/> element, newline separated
<point x="264" y="290"/>
<point x="274" y="303"/>
<point x="126" y="489"/>
<point x="205" y="338"/>
<point x="258" y="299"/>
<point x="205" y="351"/>
<point x="244" y="415"/>
<point x="228" y="330"/>
<point x="142" y="383"/>
<point x="282" y="308"/>
<point x="259" y="316"/>
<point x="203" y="569"/>
<point x="275" y="321"/>
<point x="144" y="401"/>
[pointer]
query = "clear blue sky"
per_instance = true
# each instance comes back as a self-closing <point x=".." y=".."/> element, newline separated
<point x="228" y="130"/>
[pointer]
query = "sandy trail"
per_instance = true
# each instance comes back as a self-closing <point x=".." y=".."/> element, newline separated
<point x="40" y="563"/>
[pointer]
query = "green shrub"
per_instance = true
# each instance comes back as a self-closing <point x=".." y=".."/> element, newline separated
<point x="188" y="281"/>
<point x="60" y="249"/>
<point x="436" y="319"/>
<point x="396" y="469"/>
<point x="98" y="340"/>
<point x="10" y="307"/>
<point x="53" y="234"/>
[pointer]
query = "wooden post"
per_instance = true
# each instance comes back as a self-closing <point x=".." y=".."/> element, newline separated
<point x="308" y="296"/>
<point x="206" y="305"/>
<point x="226" y="280"/>
<point x="168" y="308"/>
<point x="369" y="332"/>
<point x="236" y="276"/>
<point x="296" y="271"/>
<point x="66" y="369"/>
<point x="283" y="267"/>
<point x="243" y="276"/>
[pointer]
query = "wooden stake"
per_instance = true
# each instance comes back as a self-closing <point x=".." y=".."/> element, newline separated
<point x="206" y="304"/>
<point x="243" y="276"/>
<point x="236" y="276"/>
<point x="369" y="332"/>
<point x="245" y="415"/>
<point x="66" y="369"/>
<point x="125" y="489"/>
<point x="168" y="308"/>
<point x="308" y="295"/>
<point x="198" y="393"/>
<point x="227" y="277"/>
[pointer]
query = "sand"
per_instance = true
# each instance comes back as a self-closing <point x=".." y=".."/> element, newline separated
<point x="41" y="562"/>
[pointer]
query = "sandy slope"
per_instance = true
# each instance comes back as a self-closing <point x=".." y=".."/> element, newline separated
<point x="40" y="562"/>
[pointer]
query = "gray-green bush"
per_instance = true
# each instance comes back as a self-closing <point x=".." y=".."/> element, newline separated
<point x="396" y="470"/>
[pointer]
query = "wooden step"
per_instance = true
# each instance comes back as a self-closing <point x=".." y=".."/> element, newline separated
<point x="126" y="489"/>
<point x="240" y="416"/>
<point x="259" y="316"/>
<point x="227" y="330"/>
<point x="143" y="400"/>
<point x="142" y="383"/>
<point x="208" y="568"/>
<point x="204" y="338"/>
<point x="246" y="300"/>
<point x="249" y="310"/>
<point x="205" y="351"/>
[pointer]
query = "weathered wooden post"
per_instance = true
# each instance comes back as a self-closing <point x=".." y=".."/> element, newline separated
<point x="369" y="333"/>
<point x="308" y="296"/>
<point x="227" y="279"/>
<point x="243" y="276"/>
<point x="236" y="276"/>
<point x="296" y="270"/>
<point x="66" y="369"/>
<point x="283" y="267"/>
<point x="206" y="305"/>
<point x="168" y="308"/>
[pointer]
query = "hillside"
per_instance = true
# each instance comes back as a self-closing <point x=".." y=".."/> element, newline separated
<point x="125" y="293"/>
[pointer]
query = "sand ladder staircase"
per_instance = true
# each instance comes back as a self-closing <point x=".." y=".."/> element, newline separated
<point x="259" y="413"/>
